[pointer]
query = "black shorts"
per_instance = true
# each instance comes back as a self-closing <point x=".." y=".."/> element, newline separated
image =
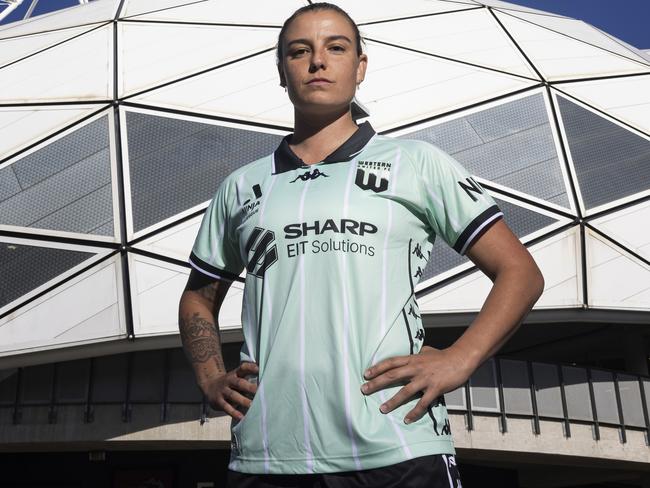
<point x="435" y="471"/>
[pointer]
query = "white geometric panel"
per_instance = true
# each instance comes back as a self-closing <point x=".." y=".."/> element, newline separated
<point x="175" y="242"/>
<point x="80" y="69"/>
<point x="556" y="257"/>
<point x="87" y="308"/>
<point x="629" y="227"/>
<point x="153" y="53"/>
<point x="221" y="11"/>
<point x="16" y="48"/>
<point x="581" y="31"/>
<point x="30" y="124"/>
<point x="93" y="12"/>
<point x="156" y="287"/>
<point x="248" y="90"/>
<point x="560" y="57"/>
<point x="390" y="9"/>
<point x="137" y="7"/>
<point x="402" y="86"/>
<point x="615" y="278"/>
<point x="472" y="36"/>
<point x="627" y="99"/>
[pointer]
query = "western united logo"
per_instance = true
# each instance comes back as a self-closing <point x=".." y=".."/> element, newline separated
<point x="265" y="252"/>
<point x="309" y="175"/>
<point x="471" y="187"/>
<point x="372" y="175"/>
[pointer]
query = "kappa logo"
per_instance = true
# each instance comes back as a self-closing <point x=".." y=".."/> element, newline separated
<point x="309" y="175"/>
<point x="471" y="187"/>
<point x="265" y="252"/>
<point x="372" y="175"/>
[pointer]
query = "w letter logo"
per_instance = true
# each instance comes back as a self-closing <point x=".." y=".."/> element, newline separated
<point x="264" y="255"/>
<point x="372" y="184"/>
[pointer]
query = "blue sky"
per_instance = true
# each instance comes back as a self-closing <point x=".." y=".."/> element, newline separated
<point x="628" y="20"/>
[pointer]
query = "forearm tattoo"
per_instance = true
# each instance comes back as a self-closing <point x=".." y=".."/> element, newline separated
<point x="201" y="340"/>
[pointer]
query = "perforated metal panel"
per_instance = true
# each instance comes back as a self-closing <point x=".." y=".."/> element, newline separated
<point x="511" y="144"/>
<point x="182" y="383"/>
<point x="456" y="399"/>
<point x="24" y="268"/>
<point x="576" y="388"/>
<point x="605" y="396"/>
<point x="147" y="379"/>
<point x="65" y="186"/>
<point x="547" y="390"/>
<point x="72" y="380"/>
<point x="516" y="387"/>
<point x="176" y="164"/>
<point x="631" y="400"/>
<point x="8" y="381"/>
<point x="610" y="161"/>
<point x="109" y="378"/>
<point x="484" y="391"/>
<point x="37" y="384"/>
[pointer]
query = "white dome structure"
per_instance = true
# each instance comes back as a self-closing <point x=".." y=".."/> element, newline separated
<point x="120" y="118"/>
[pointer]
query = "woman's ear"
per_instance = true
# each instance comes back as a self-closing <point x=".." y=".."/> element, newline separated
<point x="361" y="68"/>
<point x="283" y="81"/>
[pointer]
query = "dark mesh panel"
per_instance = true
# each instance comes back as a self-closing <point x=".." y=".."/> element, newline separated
<point x="147" y="380"/>
<point x="605" y="396"/>
<point x="176" y="164"/>
<point x="521" y="220"/>
<point x="610" y="162"/>
<point x="8" y="380"/>
<point x="37" y="384"/>
<point x="24" y="268"/>
<point x="182" y="383"/>
<point x="65" y="186"/>
<point x="511" y="144"/>
<point x="547" y="390"/>
<point x="72" y="380"/>
<point x="109" y="378"/>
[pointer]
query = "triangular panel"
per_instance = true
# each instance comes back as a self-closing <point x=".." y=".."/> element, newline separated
<point x="90" y="13"/>
<point x="19" y="47"/>
<point x="472" y="36"/>
<point x="29" y="266"/>
<point x="514" y="7"/>
<point x="524" y="222"/>
<point x="628" y="227"/>
<point x="389" y="9"/>
<point x="615" y="278"/>
<point x="65" y="185"/>
<point x="82" y="309"/>
<point x="153" y="53"/>
<point x="175" y="242"/>
<point x="177" y="163"/>
<point x="581" y="31"/>
<point x="557" y="258"/>
<point x="223" y="12"/>
<point x="23" y="126"/>
<point x="627" y="99"/>
<point x="79" y="68"/>
<point x="610" y="161"/>
<point x="138" y="7"/>
<point x="403" y="86"/>
<point x="510" y="143"/>
<point x="560" y="57"/>
<point x="248" y="90"/>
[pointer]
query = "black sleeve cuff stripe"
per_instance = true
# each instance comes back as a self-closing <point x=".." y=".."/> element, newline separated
<point x="209" y="270"/>
<point x="476" y="228"/>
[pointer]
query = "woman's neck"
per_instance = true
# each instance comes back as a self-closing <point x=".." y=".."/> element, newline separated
<point x="315" y="138"/>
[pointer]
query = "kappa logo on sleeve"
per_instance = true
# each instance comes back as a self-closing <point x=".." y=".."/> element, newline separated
<point x="265" y="252"/>
<point x="373" y="175"/>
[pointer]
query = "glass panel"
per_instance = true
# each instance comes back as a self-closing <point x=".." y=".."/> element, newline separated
<point x="610" y="161"/>
<point x="8" y="379"/>
<point x="176" y="164"/>
<point x="182" y="384"/>
<point x="516" y="387"/>
<point x="65" y="185"/>
<point x="605" y="396"/>
<point x="547" y="390"/>
<point x="511" y="144"/>
<point x="484" y="388"/>
<point x="456" y="398"/>
<point x="109" y="378"/>
<point x="24" y="268"/>
<point x="628" y="386"/>
<point x="576" y="389"/>
<point x="147" y="379"/>
<point x="37" y="384"/>
<point x="72" y="381"/>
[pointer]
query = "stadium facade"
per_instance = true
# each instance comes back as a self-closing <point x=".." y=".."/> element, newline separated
<point x="118" y="120"/>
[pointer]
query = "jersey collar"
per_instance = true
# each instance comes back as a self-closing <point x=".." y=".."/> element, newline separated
<point x="287" y="160"/>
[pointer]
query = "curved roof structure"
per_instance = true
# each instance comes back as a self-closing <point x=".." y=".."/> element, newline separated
<point x="120" y="118"/>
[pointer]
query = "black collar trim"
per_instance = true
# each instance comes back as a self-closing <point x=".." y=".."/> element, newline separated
<point x="287" y="160"/>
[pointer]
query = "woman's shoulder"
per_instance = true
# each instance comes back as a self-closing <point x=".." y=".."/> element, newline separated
<point x="416" y="150"/>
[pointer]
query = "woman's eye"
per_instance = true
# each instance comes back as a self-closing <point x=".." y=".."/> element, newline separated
<point x="298" y="52"/>
<point x="337" y="48"/>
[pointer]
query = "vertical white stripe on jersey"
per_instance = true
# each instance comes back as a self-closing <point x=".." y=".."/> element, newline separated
<point x="265" y="434"/>
<point x="305" y="411"/>
<point x="216" y="238"/>
<point x="384" y="278"/>
<point x="346" y="328"/>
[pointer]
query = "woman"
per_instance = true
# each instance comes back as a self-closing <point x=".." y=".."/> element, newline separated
<point x="334" y="229"/>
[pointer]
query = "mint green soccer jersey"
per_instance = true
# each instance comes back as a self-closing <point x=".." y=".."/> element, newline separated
<point x="333" y="252"/>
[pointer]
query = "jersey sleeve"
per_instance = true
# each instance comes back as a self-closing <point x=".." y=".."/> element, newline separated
<point x="457" y="208"/>
<point x="215" y="252"/>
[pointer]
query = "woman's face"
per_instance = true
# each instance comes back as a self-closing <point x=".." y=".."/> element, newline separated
<point x="320" y="65"/>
